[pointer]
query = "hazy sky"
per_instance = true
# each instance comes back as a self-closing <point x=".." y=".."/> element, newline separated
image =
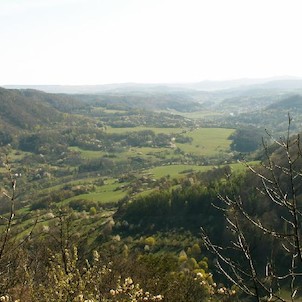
<point x="114" y="41"/>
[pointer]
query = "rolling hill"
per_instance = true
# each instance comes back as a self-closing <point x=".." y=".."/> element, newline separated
<point x="26" y="108"/>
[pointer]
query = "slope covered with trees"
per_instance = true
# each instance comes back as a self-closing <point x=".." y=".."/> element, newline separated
<point x="25" y="109"/>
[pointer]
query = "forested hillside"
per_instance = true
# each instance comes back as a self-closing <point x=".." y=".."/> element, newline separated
<point x="24" y="110"/>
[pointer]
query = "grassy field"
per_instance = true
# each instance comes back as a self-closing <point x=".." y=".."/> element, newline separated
<point x="208" y="141"/>
<point x="100" y="196"/>
<point x="142" y="152"/>
<point x="136" y="129"/>
<point x="109" y="111"/>
<point x="103" y="194"/>
<point x="200" y="114"/>
<point x="176" y="171"/>
<point x="110" y="191"/>
<point x="87" y="154"/>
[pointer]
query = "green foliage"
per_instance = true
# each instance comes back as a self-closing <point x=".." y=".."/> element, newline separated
<point x="5" y="138"/>
<point x="86" y="283"/>
<point x="82" y="205"/>
<point x="196" y="251"/>
<point x="30" y="143"/>
<point x="247" y="139"/>
<point x="188" y="206"/>
<point x="92" y="211"/>
<point x="150" y="241"/>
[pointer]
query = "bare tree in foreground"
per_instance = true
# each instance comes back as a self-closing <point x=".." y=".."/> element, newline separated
<point x="12" y="257"/>
<point x="276" y="274"/>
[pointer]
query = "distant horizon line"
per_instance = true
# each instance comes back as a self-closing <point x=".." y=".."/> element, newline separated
<point x="270" y="78"/>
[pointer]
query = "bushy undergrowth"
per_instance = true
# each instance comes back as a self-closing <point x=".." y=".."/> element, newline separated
<point x="64" y="276"/>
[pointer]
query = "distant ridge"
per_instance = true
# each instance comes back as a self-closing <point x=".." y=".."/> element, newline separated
<point x="266" y="83"/>
<point x="23" y="109"/>
<point x="281" y="84"/>
<point x="290" y="103"/>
